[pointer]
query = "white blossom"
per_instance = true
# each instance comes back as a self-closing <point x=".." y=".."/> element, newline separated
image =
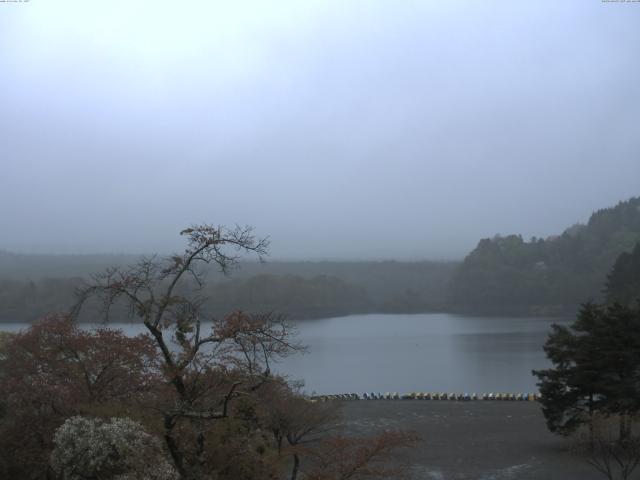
<point x="117" y="449"/>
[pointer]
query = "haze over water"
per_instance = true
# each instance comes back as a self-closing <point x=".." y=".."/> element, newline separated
<point x="406" y="353"/>
<point x="423" y="352"/>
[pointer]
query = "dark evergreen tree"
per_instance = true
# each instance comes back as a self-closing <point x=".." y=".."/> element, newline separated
<point x="623" y="283"/>
<point x="568" y="390"/>
<point x="596" y="368"/>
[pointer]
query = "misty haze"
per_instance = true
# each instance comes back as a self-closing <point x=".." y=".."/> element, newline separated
<point x="319" y="240"/>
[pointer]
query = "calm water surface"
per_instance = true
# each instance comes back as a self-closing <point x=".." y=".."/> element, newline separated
<point x="422" y="352"/>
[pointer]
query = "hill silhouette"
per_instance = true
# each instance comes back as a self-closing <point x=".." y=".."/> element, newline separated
<point x="547" y="275"/>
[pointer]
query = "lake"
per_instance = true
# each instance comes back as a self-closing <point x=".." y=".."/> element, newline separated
<point x="417" y="352"/>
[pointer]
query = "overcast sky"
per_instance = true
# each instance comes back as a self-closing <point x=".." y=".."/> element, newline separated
<point x="341" y="129"/>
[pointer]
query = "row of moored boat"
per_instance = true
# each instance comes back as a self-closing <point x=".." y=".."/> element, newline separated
<point x="461" y="397"/>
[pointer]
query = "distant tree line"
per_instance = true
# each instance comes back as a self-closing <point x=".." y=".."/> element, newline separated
<point x="298" y="290"/>
<point x="26" y="301"/>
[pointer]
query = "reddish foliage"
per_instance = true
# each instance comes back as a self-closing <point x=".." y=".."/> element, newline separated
<point x="54" y="370"/>
<point x="56" y="360"/>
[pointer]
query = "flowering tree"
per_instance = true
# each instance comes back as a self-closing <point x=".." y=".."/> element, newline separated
<point x="117" y="449"/>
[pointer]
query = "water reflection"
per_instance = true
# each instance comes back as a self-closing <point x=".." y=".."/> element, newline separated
<point x="425" y="352"/>
<point x="422" y="352"/>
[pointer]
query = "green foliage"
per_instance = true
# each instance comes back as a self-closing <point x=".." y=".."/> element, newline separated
<point x="623" y="283"/>
<point x="595" y="367"/>
<point x="511" y="273"/>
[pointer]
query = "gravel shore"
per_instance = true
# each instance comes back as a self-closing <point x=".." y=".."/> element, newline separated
<point x="473" y="440"/>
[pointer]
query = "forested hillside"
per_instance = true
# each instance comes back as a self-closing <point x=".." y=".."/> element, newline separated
<point x="547" y="275"/>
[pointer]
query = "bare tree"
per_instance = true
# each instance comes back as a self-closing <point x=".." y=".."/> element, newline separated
<point x="204" y="370"/>
<point x="351" y="458"/>
<point x="293" y="418"/>
<point x="615" y="458"/>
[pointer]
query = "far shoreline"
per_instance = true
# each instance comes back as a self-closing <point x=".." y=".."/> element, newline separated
<point x="529" y="312"/>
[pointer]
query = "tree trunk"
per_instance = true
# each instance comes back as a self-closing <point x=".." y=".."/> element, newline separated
<point x="174" y="451"/>
<point x="591" y="420"/>
<point x="296" y="466"/>
<point x="624" y="428"/>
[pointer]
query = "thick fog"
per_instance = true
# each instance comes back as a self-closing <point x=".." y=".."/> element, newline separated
<point x="341" y="129"/>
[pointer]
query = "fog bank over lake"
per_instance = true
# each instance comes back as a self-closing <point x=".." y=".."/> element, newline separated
<point x="344" y="130"/>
